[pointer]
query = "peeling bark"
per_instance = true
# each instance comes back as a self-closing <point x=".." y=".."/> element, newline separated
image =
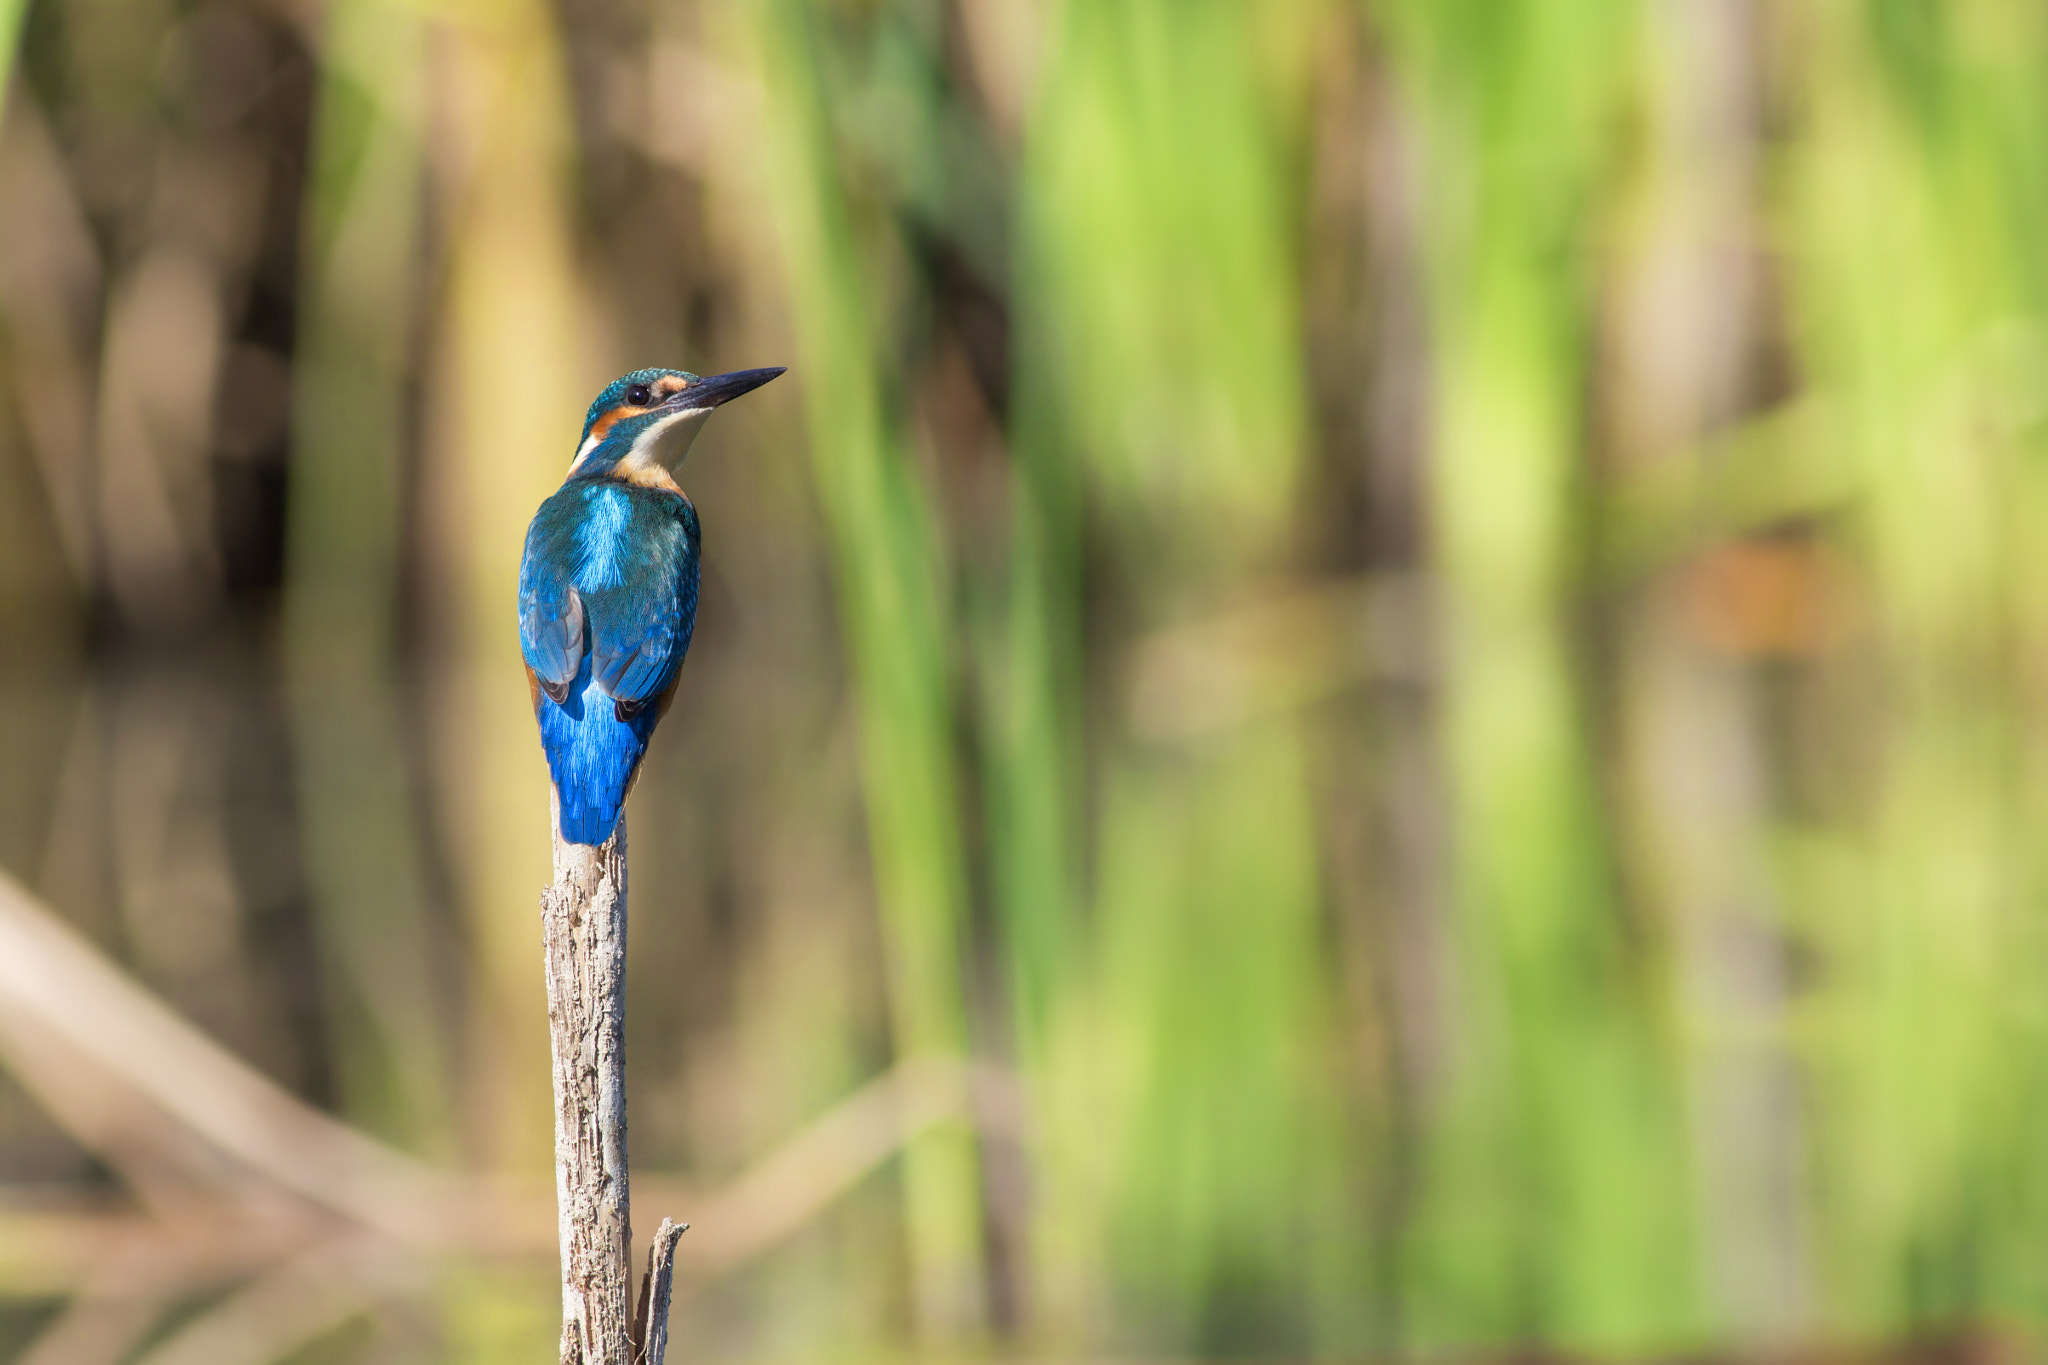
<point x="583" y="917"/>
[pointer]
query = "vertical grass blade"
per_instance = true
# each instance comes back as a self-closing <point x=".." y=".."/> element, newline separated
<point x="356" y="752"/>
<point x="1919" y="211"/>
<point x="513" y="373"/>
<point x="12" y="15"/>
<point x="1187" y="1159"/>
<point x="1556" y="1191"/>
<point x="887" y="558"/>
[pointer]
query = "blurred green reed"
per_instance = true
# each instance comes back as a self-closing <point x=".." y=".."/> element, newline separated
<point x="362" y="821"/>
<point x="12" y="12"/>
<point x="893" y="602"/>
<point x="514" y="360"/>
<point x="1556" y="1199"/>
<point x="1917" y="213"/>
<point x="1178" y="1032"/>
<point x="1190" y="1132"/>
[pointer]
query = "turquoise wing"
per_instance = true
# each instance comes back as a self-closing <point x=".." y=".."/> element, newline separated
<point x="642" y="619"/>
<point x="551" y="616"/>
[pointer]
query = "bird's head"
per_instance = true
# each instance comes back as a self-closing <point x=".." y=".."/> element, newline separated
<point x="641" y="426"/>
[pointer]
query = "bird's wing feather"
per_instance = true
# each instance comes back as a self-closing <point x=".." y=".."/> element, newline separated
<point x="551" y="616"/>
<point x="640" y="632"/>
<point x="632" y="670"/>
<point x="551" y="638"/>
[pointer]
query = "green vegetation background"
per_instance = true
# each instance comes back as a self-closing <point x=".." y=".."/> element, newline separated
<point x="1430" y="619"/>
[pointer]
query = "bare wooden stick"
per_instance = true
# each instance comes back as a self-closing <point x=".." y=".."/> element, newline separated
<point x="650" y="1323"/>
<point x="583" y="923"/>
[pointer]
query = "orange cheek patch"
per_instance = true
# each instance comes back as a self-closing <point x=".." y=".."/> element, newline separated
<point x="603" y="425"/>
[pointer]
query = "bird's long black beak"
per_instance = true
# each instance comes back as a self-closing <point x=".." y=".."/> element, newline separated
<point x="712" y="390"/>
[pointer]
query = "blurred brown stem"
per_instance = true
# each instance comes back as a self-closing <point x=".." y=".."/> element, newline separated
<point x="583" y="917"/>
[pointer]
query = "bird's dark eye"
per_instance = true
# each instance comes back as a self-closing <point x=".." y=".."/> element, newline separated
<point x="639" y="395"/>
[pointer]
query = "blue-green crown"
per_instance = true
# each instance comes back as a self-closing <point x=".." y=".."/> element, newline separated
<point x="614" y="393"/>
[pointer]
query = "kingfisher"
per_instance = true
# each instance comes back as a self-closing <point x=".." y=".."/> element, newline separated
<point x="608" y="588"/>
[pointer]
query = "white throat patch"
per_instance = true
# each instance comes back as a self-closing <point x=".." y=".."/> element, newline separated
<point x="664" y="444"/>
<point x="667" y="441"/>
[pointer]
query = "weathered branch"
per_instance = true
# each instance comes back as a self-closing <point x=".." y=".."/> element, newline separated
<point x="583" y="925"/>
<point x="583" y="918"/>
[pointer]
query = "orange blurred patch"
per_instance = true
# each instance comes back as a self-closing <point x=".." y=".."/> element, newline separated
<point x="1779" y="597"/>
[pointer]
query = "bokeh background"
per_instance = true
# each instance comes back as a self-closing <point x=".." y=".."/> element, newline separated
<point x="1376" y="690"/>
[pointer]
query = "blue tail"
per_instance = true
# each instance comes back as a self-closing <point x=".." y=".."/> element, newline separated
<point x="592" y="756"/>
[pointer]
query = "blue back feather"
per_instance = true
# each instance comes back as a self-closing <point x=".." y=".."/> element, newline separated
<point x="607" y="604"/>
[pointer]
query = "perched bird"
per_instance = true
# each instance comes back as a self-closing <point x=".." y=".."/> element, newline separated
<point x="608" y="588"/>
